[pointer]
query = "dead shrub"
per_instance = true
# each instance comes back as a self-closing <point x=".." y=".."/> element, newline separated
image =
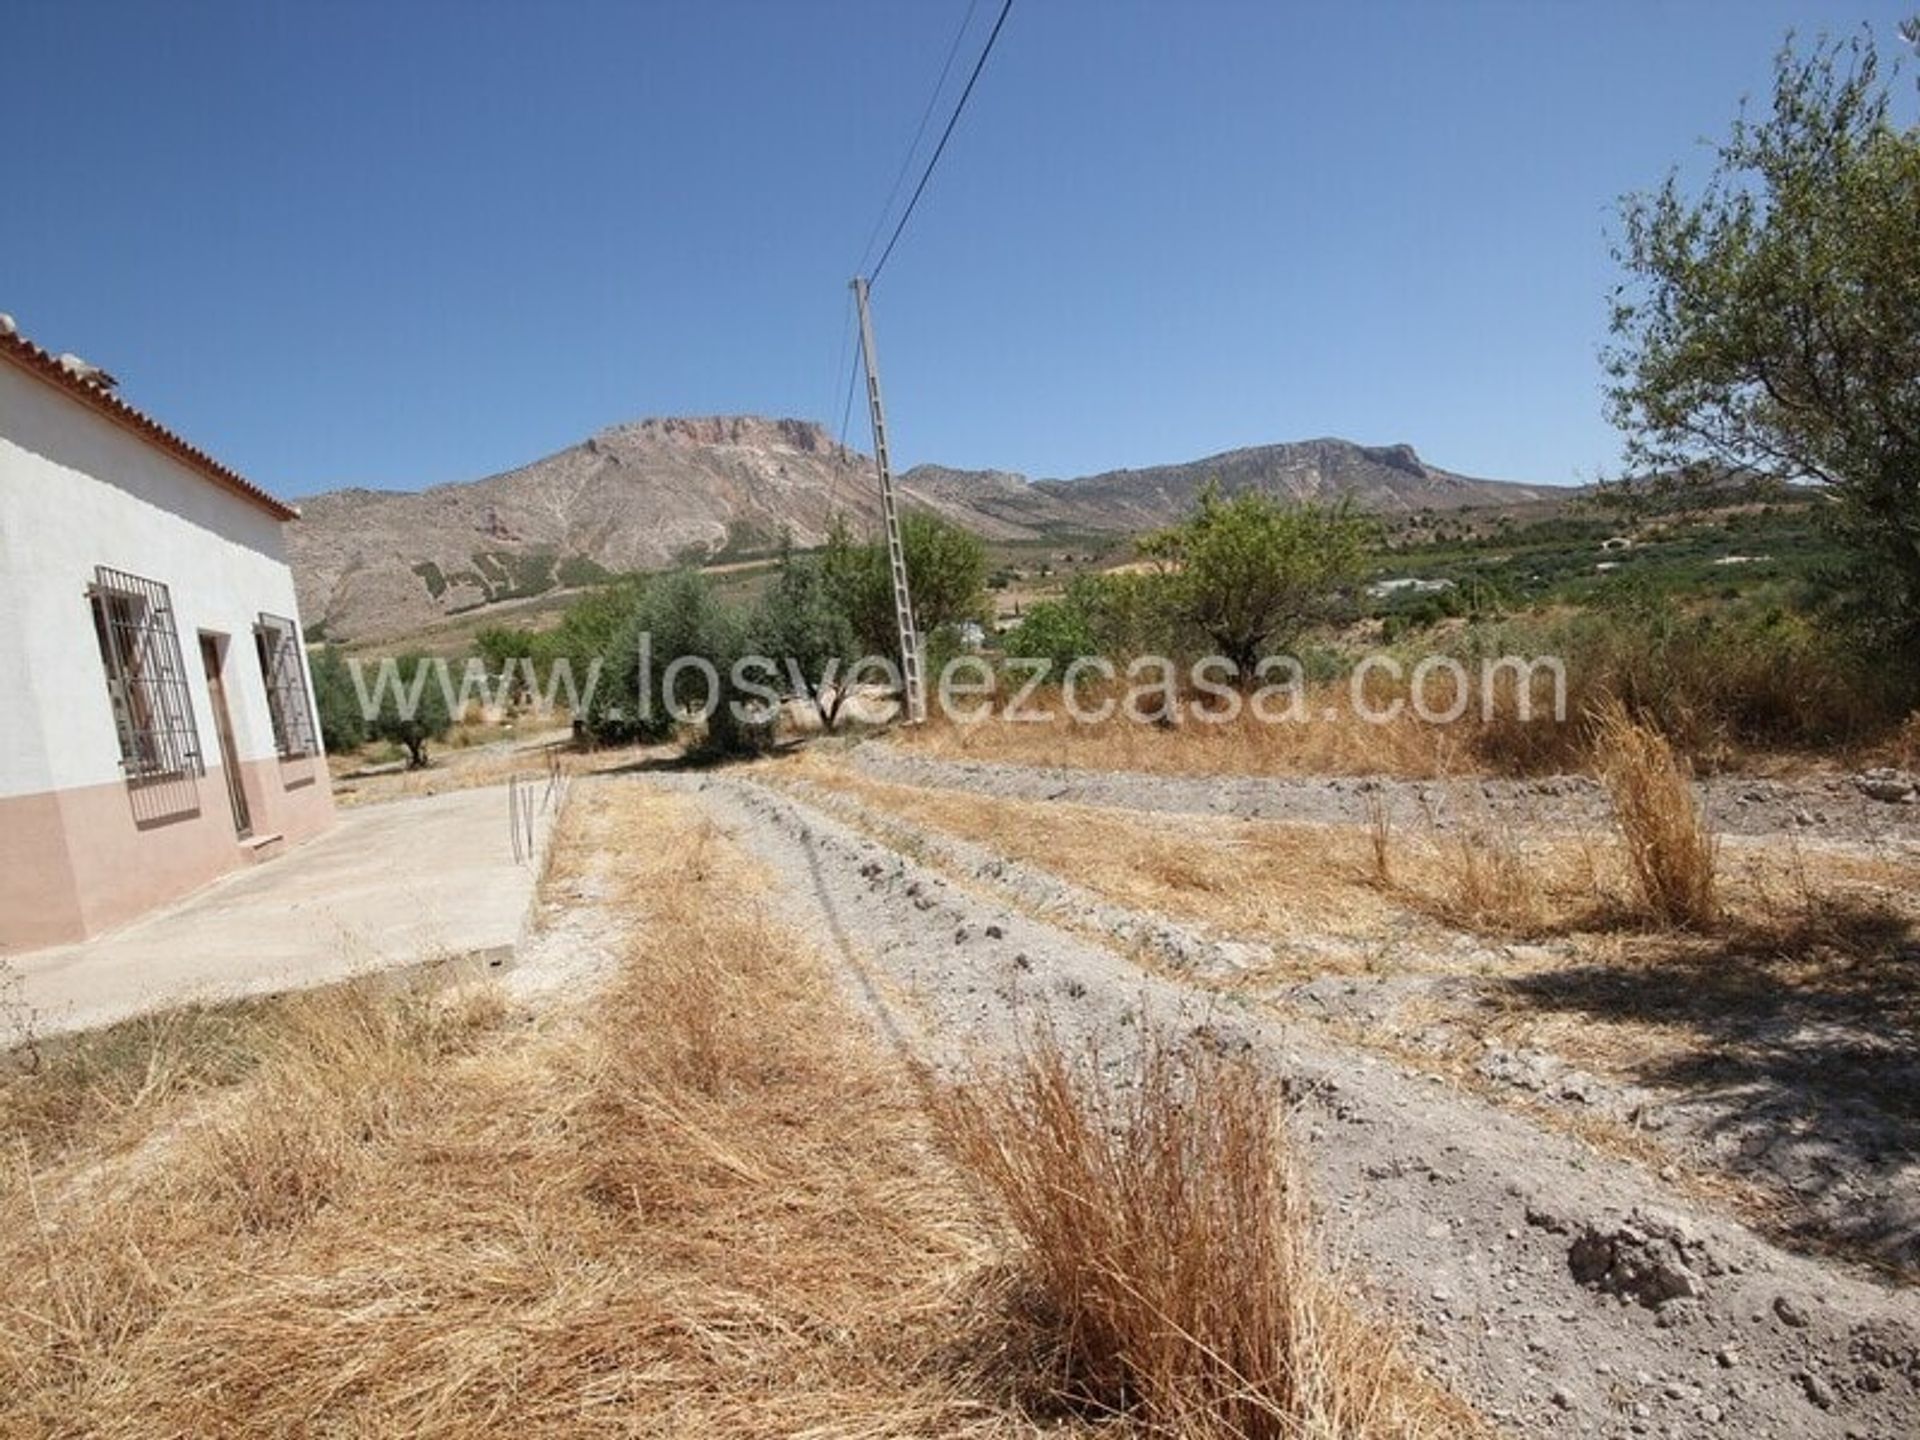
<point x="1129" y="1197"/>
<point x="1380" y="839"/>
<point x="1670" y="851"/>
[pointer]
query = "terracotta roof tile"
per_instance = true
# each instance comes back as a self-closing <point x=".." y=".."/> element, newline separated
<point x="31" y="358"/>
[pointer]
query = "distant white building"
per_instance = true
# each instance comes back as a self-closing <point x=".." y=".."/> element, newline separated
<point x="156" y="717"/>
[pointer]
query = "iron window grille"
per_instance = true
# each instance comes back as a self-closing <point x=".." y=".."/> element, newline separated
<point x="278" y="643"/>
<point x="133" y="621"/>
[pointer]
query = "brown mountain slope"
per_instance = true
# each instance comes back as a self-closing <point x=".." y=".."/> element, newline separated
<point x="373" y="564"/>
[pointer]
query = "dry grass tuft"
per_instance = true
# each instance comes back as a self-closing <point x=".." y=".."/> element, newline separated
<point x="1670" y="850"/>
<point x="1129" y="1198"/>
<point x="1380" y="839"/>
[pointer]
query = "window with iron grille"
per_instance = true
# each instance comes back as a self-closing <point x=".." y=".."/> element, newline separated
<point x="146" y="676"/>
<point x="277" y="640"/>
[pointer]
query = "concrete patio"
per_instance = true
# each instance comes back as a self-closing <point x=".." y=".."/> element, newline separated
<point x="390" y="885"/>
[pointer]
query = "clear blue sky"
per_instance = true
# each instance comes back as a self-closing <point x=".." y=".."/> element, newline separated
<point x="403" y="243"/>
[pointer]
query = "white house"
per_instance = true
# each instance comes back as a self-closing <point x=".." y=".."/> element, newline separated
<point x="156" y="715"/>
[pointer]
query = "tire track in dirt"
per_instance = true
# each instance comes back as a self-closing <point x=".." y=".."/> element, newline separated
<point x="1837" y="1188"/>
<point x="1562" y="1293"/>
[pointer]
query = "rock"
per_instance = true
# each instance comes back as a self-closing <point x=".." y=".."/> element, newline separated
<point x="1817" y="1391"/>
<point x="1886" y="1345"/>
<point x="1580" y="1086"/>
<point x="1239" y="955"/>
<point x="994" y="932"/>
<point x="1890" y="786"/>
<point x="1789" y="1312"/>
<point x="1523" y="1069"/>
<point x="1647" y="1260"/>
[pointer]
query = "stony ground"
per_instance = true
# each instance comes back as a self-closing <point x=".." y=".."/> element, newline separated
<point x="1563" y="1286"/>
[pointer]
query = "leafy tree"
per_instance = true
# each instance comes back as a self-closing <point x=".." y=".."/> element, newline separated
<point x="1126" y="614"/>
<point x="501" y="647"/>
<point x="1052" y="630"/>
<point x="343" y="727"/>
<point x="946" y="571"/>
<point x="1772" y="324"/>
<point x="413" y="711"/>
<point x="1250" y="572"/>
<point x="643" y="694"/>
<point x="589" y="626"/>
<point x="798" y="624"/>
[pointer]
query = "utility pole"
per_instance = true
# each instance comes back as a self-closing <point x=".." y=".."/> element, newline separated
<point x="915" y="686"/>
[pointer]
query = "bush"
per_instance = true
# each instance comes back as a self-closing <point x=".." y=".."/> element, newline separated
<point x="1126" y="614"/>
<point x="1130" y="1196"/>
<point x="343" y="728"/>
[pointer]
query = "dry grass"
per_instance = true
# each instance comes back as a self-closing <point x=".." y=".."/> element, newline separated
<point x="107" y="1247"/>
<point x="1481" y="873"/>
<point x="107" y="1086"/>
<point x="1671" y="852"/>
<point x="696" y="1212"/>
<point x="1244" y="877"/>
<point x="1129" y="1196"/>
<point x="696" y="1208"/>
<point x="1341" y="745"/>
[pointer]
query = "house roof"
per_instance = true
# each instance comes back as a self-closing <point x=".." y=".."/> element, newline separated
<point x="37" y="362"/>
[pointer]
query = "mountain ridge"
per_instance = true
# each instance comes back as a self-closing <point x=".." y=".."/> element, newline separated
<point x="372" y="563"/>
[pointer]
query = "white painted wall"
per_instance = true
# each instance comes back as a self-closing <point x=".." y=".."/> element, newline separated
<point x="76" y="491"/>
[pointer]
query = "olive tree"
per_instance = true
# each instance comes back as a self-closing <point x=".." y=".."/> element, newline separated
<point x="800" y="628"/>
<point x="1770" y="323"/>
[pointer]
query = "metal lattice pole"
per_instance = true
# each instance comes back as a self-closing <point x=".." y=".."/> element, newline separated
<point x="914" y="684"/>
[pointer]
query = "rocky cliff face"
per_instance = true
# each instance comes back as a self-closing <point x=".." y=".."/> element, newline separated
<point x="373" y="563"/>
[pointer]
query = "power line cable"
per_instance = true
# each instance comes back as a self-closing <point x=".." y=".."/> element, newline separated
<point x="940" y="149"/>
<point x="846" y="411"/>
<point x="919" y="133"/>
<point x="840" y="454"/>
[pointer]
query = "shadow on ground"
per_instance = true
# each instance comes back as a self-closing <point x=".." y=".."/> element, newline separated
<point x="1792" y="1053"/>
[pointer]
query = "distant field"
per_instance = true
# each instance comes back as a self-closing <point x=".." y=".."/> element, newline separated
<point x="1583" y="558"/>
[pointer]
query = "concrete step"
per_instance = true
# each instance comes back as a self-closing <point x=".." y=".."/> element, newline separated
<point x="263" y="847"/>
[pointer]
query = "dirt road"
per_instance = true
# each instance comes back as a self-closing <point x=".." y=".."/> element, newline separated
<point x="1563" y="1289"/>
